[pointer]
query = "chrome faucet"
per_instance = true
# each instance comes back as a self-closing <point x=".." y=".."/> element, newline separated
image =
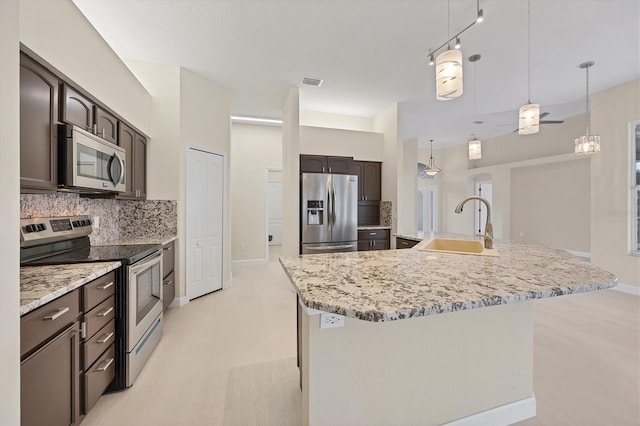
<point x="488" y="228"/>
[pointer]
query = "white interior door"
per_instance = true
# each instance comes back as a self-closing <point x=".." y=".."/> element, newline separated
<point x="274" y="212"/>
<point x="205" y="189"/>
<point x="428" y="210"/>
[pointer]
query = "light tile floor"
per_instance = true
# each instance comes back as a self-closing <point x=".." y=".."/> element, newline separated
<point x="229" y="358"/>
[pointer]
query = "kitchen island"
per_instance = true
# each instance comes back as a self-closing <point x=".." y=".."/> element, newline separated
<point x="428" y="337"/>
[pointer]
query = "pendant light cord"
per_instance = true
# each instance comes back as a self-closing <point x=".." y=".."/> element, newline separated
<point x="448" y="23"/>
<point x="588" y="104"/>
<point x="529" y="41"/>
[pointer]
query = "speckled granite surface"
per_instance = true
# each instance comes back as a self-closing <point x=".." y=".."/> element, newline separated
<point x="390" y="285"/>
<point x="42" y="284"/>
<point x="368" y="227"/>
<point x="147" y="219"/>
<point x="418" y="236"/>
<point x="142" y="240"/>
<point x="386" y="218"/>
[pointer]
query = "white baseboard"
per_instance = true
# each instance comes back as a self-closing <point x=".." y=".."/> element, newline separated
<point x="626" y="288"/>
<point x="504" y="415"/>
<point x="248" y="262"/>
<point x="179" y="301"/>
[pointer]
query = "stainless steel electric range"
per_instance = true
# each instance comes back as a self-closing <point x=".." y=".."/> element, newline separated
<point x="138" y="293"/>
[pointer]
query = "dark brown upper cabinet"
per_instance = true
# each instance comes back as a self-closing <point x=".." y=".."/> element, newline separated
<point x="76" y="108"/>
<point x="140" y="167"/>
<point x="313" y="164"/>
<point x="341" y="165"/>
<point x="135" y="146"/>
<point x="325" y="164"/>
<point x="38" y="129"/>
<point x="369" y="180"/>
<point x="106" y="125"/>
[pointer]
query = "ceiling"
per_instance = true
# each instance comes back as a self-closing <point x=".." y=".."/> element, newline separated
<point x="372" y="53"/>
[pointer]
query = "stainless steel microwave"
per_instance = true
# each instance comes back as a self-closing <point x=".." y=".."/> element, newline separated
<point x="88" y="163"/>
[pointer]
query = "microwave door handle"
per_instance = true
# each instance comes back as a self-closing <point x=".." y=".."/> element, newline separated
<point x="121" y="174"/>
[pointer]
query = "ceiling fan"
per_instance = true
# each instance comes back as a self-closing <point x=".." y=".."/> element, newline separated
<point x="543" y="115"/>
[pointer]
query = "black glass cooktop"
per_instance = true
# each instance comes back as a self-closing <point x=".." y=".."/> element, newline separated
<point x="126" y="254"/>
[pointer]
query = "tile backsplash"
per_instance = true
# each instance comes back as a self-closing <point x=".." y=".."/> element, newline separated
<point x="118" y="218"/>
<point x="385" y="213"/>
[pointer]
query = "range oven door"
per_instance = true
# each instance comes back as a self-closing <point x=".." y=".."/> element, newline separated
<point x="145" y="297"/>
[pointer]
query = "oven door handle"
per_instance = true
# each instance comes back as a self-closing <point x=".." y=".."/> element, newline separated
<point x="155" y="258"/>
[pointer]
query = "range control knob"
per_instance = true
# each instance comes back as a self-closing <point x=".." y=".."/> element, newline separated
<point x="30" y="228"/>
<point x="75" y="223"/>
<point x="41" y="227"/>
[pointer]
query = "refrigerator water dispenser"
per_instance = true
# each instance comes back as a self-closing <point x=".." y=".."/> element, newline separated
<point x="315" y="212"/>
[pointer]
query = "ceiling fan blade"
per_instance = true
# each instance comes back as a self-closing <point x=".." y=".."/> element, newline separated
<point x="544" y="114"/>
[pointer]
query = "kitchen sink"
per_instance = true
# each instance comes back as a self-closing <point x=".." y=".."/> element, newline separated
<point x="458" y="246"/>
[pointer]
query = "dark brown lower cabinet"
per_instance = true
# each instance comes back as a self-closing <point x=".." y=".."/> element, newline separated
<point x="403" y="243"/>
<point x="50" y="382"/>
<point x="374" y="239"/>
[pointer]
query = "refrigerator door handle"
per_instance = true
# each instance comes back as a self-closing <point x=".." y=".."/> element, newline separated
<point x="329" y="205"/>
<point x="333" y="204"/>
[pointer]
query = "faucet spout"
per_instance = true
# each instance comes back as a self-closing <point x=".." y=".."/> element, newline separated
<point x="488" y="228"/>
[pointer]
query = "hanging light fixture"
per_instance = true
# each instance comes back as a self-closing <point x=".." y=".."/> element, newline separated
<point x="529" y="116"/>
<point x="475" y="148"/>
<point x="587" y="144"/>
<point x="449" y="63"/>
<point x="432" y="169"/>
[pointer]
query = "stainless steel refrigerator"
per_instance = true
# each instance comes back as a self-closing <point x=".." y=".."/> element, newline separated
<point x="329" y="208"/>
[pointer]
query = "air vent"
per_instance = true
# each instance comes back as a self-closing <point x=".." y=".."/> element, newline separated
<point x="312" y="81"/>
<point x="478" y="122"/>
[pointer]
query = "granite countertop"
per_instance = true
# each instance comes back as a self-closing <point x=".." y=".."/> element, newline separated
<point x="418" y="236"/>
<point x="388" y="285"/>
<point x="371" y="227"/>
<point x="142" y="240"/>
<point x="42" y="284"/>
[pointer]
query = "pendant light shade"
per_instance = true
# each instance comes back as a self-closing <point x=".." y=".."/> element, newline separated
<point x="432" y="169"/>
<point x="475" y="149"/>
<point x="529" y="119"/>
<point x="587" y="144"/>
<point x="449" y="75"/>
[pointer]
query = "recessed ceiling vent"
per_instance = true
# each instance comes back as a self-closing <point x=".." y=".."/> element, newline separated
<point x="317" y="82"/>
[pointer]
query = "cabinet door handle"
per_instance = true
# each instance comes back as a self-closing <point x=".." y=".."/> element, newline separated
<point x="168" y="248"/>
<point x="168" y="282"/>
<point x="106" y="286"/>
<point x="323" y="169"/>
<point x="329" y="169"/>
<point x="105" y="312"/>
<point x="105" y="364"/>
<point x="105" y="339"/>
<point x="61" y="312"/>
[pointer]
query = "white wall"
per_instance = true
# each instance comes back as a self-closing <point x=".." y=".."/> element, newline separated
<point x="612" y="111"/>
<point x="407" y="186"/>
<point x="551" y="204"/>
<point x="387" y="123"/>
<point x="336" y="121"/>
<point x="59" y="33"/>
<point x="291" y="172"/>
<point x="9" y="214"/>
<point x="254" y="149"/>
<point x="361" y="145"/>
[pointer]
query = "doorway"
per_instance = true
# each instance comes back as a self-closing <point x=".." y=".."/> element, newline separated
<point x="483" y="188"/>
<point x="274" y="214"/>
<point x="204" y="215"/>
<point x="427" y="208"/>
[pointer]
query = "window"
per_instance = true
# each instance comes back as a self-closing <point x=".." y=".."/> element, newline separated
<point x="635" y="196"/>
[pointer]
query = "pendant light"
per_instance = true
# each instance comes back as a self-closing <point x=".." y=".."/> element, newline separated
<point x="432" y="169"/>
<point x="587" y="144"/>
<point x="529" y="116"/>
<point x="449" y="69"/>
<point x="475" y="145"/>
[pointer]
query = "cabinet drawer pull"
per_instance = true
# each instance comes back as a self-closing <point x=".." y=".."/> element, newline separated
<point x="106" y="286"/>
<point x="105" y="338"/>
<point x="61" y="312"/>
<point x="168" y="248"/>
<point x="105" y="364"/>
<point x="372" y="233"/>
<point x="169" y="282"/>
<point x="105" y="312"/>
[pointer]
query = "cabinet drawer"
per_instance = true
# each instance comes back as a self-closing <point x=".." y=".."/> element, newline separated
<point x="168" y="257"/>
<point x="98" y="377"/>
<point x="45" y="322"/>
<point x="373" y="234"/>
<point x="402" y="243"/>
<point x="99" y="316"/>
<point x="168" y="290"/>
<point x="95" y="346"/>
<point x="98" y="290"/>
